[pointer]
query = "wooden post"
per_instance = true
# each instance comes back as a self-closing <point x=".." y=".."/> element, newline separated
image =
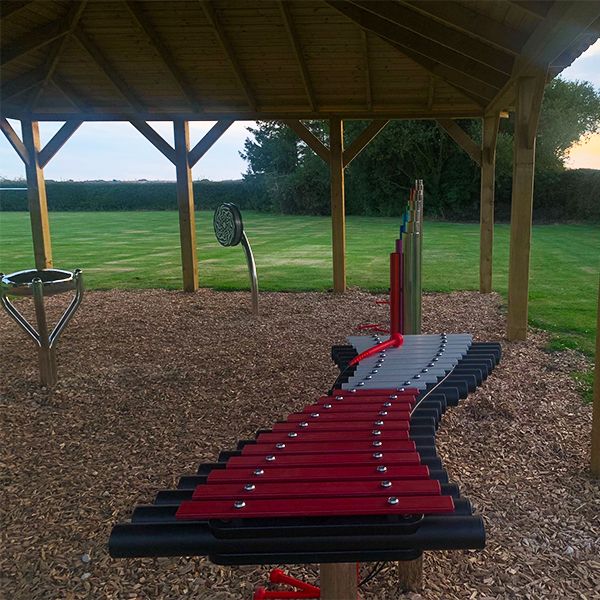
<point x="596" y="409"/>
<point x="486" y="211"/>
<point x="529" y="99"/>
<point x="410" y="575"/>
<point x="36" y="196"/>
<point x="338" y="211"/>
<point x="185" y="203"/>
<point x="338" y="581"/>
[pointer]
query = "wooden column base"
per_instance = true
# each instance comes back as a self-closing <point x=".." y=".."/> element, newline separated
<point x="338" y="581"/>
<point x="410" y="575"/>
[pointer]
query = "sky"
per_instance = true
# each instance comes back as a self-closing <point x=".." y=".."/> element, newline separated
<point x="118" y="151"/>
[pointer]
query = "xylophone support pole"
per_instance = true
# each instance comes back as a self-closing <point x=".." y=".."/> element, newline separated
<point x="410" y="575"/>
<point x="338" y="581"/>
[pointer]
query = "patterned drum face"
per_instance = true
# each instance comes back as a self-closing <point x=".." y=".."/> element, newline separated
<point x="228" y="225"/>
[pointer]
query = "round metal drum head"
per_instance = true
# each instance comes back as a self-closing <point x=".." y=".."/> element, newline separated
<point x="228" y="224"/>
<point x="54" y="281"/>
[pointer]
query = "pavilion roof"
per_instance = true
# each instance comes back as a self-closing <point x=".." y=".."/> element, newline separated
<point x="296" y="59"/>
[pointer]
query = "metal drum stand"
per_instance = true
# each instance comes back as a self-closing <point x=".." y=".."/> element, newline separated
<point x="229" y="231"/>
<point x="38" y="284"/>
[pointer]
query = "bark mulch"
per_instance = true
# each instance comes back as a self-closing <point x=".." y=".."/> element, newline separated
<point x="152" y="383"/>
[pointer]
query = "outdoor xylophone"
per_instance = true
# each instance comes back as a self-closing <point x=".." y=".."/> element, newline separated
<point x="352" y="477"/>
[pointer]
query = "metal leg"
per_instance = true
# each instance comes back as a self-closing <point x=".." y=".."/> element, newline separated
<point x="48" y="376"/>
<point x="252" y="270"/>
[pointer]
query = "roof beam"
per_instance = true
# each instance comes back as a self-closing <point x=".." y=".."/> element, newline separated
<point x="405" y="38"/>
<point x="462" y="138"/>
<point x="72" y="18"/>
<point x="21" y="84"/>
<point x="368" y="85"/>
<point x="547" y="42"/>
<point x="157" y="140"/>
<point x="414" y="21"/>
<point x="361" y="142"/>
<point x="536" y="8"/>
<point x="293" y="35"/>
<point x="75" y="97"/>
<point x="15" y="140"/>
<point x="107" y="68"/>
<point x="165" y="54"/>
<point x="472" y="23"/>
<point x="213" y="19"/>
<point x="8" y="8"/>
<point x="309" y="138"/>
<point x="207" y="142"/>
<point x="57" y="142"/>
<point x="38" y="38"/>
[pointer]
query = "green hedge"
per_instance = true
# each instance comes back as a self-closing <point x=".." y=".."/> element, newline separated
<point x="138" y="195"/>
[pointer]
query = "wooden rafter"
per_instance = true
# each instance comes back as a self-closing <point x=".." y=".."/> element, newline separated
<point x="8" y="8"/>
<point x="14" y="140"/>
<point x="107" y="68"/>
<point x="548" y="41"/>
<point x="414" y="21"/>
<point x="471" y="23"/>
<point x="155" y="139"/>
<point x="295" y="41"/>
<point x="431" y="93"/>
<point x="206" y="143"/>
<point x="75" y="97"/>
<point x="462" y="138"/>
<point x="311" y="140"/>
<point x="213" y="19"/>
<point x="38" y="38"/>
<point x="72" y="19"/>
<point x="57" y="142"/>
<point x="368" y="85"/>
<point x="21" y="84"/>
<point x="361" y="142"/>
<point x="164" y="53"/>
<point x="406" y="39"/>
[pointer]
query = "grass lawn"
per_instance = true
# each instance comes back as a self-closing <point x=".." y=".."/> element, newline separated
<point x="141" y="249"/>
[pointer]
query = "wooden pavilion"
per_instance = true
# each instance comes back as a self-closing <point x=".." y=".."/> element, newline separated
<point x="293" y="60"/>
<point x="227" y="60"/>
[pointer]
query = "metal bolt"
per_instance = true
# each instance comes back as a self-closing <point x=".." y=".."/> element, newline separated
<point x="393" y="397"/>
<point x="400" y="389"/>
<point x="326" y="405"/>
<point x="353" y="390"/>
<point x="376" y="432"/>
<point x="304" y="424"/>
<point x="239" y="504"/>
<point x="339" y="397"/>
<point x="249" y="487"/>
<point x="417" y="376"/>
<point x="369" y="377"/>
<point x="377" y="443"/>
<point x="270" y="458"/>
<point x="280" y="446"/>
<point x="431" y="364"/>
<point x="424" y="370"/>
<point x="393" y="500"/>
<point x="378" y="423"/>
<point x="259" y="472"/>
<point x="360" y="383"/>
<point x="381" y="469"/>
<point x="314" y="415"/>
<point x="386" y="484"/>
<point x="377" y="454"/>
<point x="374" y="371"/>
<point x="292" y="434"/>
<point x="383" y="413"/>
<point x="407" y="382"/>
<point x="387" y="404"/>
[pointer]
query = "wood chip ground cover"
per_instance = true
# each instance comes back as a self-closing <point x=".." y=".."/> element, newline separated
<point x="153" y="383"/>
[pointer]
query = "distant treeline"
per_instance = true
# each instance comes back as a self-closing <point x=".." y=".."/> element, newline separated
<point x="571" y="195"/>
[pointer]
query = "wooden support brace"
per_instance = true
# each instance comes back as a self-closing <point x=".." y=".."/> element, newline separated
<point x="155" y="139"/>
<point x="314" y="143"/>
<point x="206" y="143"/>
<point x="361" y="142"/>
<point x="38" y="38"/>
<point x="462" y="138"/>
<point x="338" y="205"/>
<point x="185" y="203"/>
<point x="486" y="210"/>
<point x="36" y="196"/>
<point x="14" y="140"/>
<point x="596" y="404"/>
<point x="410" y="575"/>
<point x="529" y="100"/>
<point x="338" y="581"/>
<point x="58" y="141"/>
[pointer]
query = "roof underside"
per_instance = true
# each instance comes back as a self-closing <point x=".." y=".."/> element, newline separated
<point x="249" y="59"/>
